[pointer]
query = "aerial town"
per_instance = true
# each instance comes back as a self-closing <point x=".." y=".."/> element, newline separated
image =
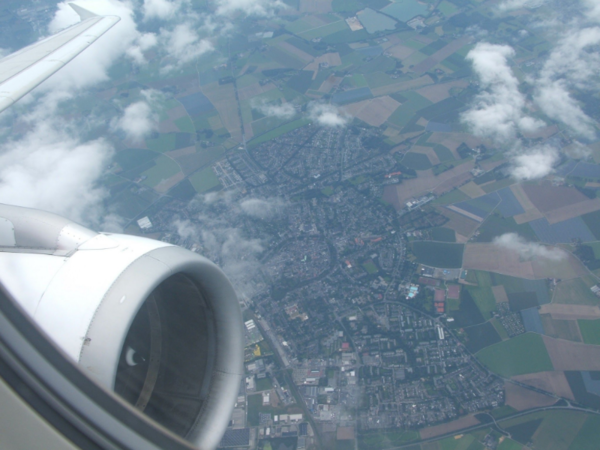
<point x="415" y="269"/>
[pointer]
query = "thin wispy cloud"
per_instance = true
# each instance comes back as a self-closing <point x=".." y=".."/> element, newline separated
<point x="249" y="7"/>
<point x="528" y="250"/>
<point x="573" y="64"/>
<point x="282" y="111"/>
<point x="161" y="9"/>
<point x="52" y="169"/>
<point x="184" y="45"/>
<point x="510" y="5"/>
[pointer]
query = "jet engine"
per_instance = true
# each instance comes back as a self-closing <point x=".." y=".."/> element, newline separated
<point x="157" y="324"/>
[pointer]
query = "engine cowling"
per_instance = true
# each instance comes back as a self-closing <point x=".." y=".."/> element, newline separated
<point x="159" y="325"/>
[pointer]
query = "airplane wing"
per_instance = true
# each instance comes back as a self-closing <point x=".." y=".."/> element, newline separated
<point x="23" y="70"/>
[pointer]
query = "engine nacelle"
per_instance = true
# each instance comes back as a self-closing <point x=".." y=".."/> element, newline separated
<point x="158" y="324"/>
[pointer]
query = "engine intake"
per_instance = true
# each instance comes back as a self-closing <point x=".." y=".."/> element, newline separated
<point x="158" y="324"/>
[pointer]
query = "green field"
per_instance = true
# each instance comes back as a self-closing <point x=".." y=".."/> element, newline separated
<point x="559" y="429"/>
<point x="324" y="30"/>
<point x="463" y="443"/>
<point x="443" y="153"/>
<point x="509" y="444"/>
<point x="166" y="142"/>
<point x="263" y="384"/>
<point x="447" y="8"/>
<point x="443" y="234"/>
<point x="592" y="220"/>
<point x="496" y="225"/>
<point x="185" y="124"/>
<point x="453" y="196"/>
<point x="503" y="411"/>
<point x="407" y="110"/>
<point x="370" y="268"/>
<point x="588" y="437"/>
<point x="417" y="161"/>
<point x="164" y="169"/>
<point x="499" y="329"/>
<point x="484" y="299"/>
<point x="525" y="353"/>
<point x="204" y="180"/>
<point x="133" y="157"/>
<point x="380" y="441"/>
<point x="590" y="331"/>
<point x="128" y="205"/>
<point x="278" y="132"/>
<point x="574" y="291"/>
<point x="437" y="254"/>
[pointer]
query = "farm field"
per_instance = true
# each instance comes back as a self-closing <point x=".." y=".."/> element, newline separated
<point x="204" y="180"/>
<point x="381" y="441"/>
<point x="568" y="355"/>
<point x="523" y="354"/>
<point x="551" y="381"/>
<point x="437" y="254"/>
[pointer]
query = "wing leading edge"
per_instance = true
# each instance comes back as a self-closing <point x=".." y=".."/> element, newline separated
<point x="23" y="70"/>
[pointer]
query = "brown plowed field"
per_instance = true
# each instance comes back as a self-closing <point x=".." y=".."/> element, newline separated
<point x="570" y="312"/>
<point x="520" y="398"/>
<point x="426" y="182"/>
<point x="567" y="355"/>
<point x="444" y="428"/>
<point x="553" y="381"/>
<point x="548" y="198"/>
<point x="493" y="258"/>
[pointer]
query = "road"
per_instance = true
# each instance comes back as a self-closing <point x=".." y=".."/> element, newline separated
<point x="290" y="382"/>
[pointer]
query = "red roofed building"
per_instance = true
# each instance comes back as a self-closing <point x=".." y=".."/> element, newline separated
<point x="454" y="291"/>
<point x="345" y="346"/>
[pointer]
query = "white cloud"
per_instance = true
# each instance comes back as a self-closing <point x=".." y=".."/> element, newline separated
<point x="262" y="209"/>
<point x="510" y="5"/>
<point x="327" y="115"/>
<point x="533" y="163"/>
<point x="160" y="9"/>
<point x="528" y="250"/>
<point x="50" y="169"/>
<point x="142" y="43"/>
<point x="593" y="9"/>
<point x="137" y="121"/>
<point x="250" y="7"/>
<point x="499" y="111"/>
<point x="573" y="63"/>
<point x="91" y="66"/>
<point x="184" y="45"/>
<point x="227" y="246"/>
<point x="554" y="99"/>
<point x="283" y="111"/>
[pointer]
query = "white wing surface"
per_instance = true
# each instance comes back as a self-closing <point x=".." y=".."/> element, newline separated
<point x="23" y="70"/>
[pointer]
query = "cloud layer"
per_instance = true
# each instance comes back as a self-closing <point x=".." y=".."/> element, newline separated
<point x="499" y="111"/>
<point x="283" y="111"/>
<point x="528" y="250"/>
<point x="327" y="115"/>
<point x="52" y="170"/>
